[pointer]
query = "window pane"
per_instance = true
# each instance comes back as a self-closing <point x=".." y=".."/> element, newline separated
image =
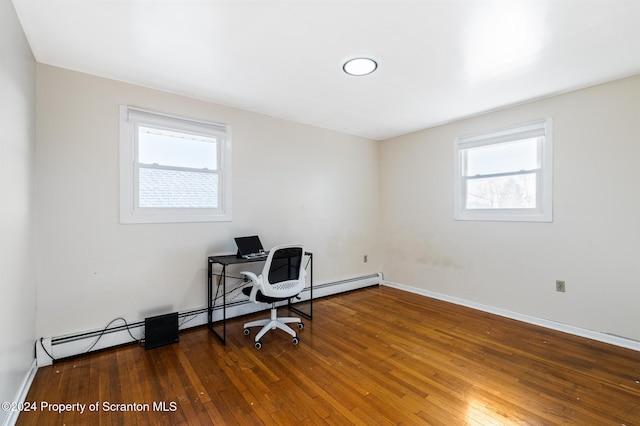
<point x="504" y="192"/>
<point x="177" y="189"/>
<point x="170" y="148"/>
<point x="503" y="157"/>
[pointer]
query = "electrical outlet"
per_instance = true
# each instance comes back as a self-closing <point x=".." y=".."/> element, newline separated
<point x="560" y="286"/>
<point x="366" y="258"/>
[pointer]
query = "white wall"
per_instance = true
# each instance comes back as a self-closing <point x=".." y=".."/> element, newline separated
<point x="291" y="183"/>
<point x="592" y="244"/>
<point x="17" y="144"/>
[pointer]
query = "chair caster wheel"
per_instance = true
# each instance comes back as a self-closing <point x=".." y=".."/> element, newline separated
<point x="300" y="325"/>
<point x="258" y="345"/>
<point x="295" y="340"/>
<point x="247" y="332"/>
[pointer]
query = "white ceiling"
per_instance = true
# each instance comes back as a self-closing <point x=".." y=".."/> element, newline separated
<point x="439" y="60"/>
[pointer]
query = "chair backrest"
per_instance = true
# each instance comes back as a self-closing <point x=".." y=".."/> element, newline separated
<point x="284" y="274"/>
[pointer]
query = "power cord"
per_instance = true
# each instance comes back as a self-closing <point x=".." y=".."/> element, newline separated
<point x="107" y="327"/>
<point x="45" y="350"/>
<point x="102" y="333"/>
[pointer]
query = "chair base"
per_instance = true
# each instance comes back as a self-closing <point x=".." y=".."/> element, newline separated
<point x="273" y="323"/>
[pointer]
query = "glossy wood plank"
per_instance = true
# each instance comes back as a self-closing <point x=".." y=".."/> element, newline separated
<point x="372" y="356"/>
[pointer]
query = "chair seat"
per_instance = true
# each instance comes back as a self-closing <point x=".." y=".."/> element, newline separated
<point x="262" y="298"/>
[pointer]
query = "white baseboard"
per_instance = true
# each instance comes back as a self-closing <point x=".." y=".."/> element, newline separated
<point x="22" y="394"/>
<point x="577" y="331"/>
<point x="49" y="349"/>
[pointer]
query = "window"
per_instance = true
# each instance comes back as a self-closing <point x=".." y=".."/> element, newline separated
<point x="173" y="169"/>
<point x="505" y="174"/>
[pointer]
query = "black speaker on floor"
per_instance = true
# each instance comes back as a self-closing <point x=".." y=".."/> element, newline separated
<point x="160" y="330"/>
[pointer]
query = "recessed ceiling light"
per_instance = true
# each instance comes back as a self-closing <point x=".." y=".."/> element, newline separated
<point x="360" y="66"/>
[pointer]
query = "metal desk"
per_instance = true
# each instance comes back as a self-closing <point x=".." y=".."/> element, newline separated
<point x="231" y="259"/>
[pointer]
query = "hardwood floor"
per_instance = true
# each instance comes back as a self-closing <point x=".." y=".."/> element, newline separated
<point x="376" y="356"/>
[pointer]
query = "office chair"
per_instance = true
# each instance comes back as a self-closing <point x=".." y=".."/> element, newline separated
<point x="282" y="278"/>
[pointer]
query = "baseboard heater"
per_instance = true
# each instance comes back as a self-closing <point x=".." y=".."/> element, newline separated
<point x="161" y="330"/>
<point x="50" y="349"/>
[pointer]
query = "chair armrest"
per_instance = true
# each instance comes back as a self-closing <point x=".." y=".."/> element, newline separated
<point x="255" y="283"/>
<point x="253" y="277"/>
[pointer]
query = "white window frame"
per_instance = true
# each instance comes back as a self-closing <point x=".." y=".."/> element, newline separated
<point x="130" y="212"/>
<point x="543" y="212"/>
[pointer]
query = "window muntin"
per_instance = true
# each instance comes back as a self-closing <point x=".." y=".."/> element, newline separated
<point x="505" y="174"/>
<point x="173" y="169"/>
